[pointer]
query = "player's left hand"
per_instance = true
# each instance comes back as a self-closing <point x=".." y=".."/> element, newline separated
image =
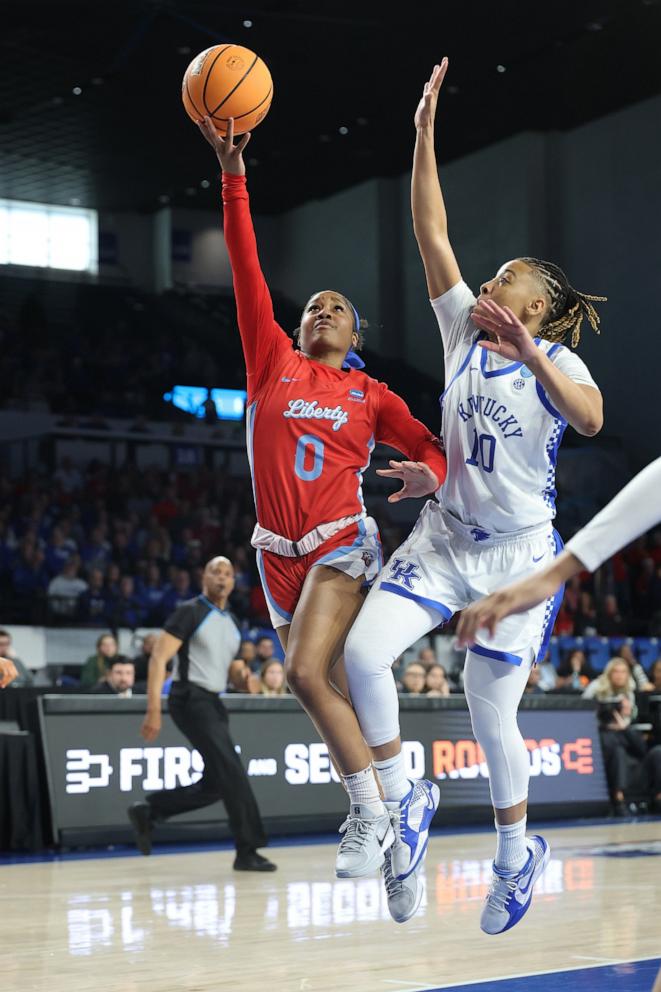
<point x="7" y="672"/>
<point x="513" y="340"/>
<point x="418" y="479"/>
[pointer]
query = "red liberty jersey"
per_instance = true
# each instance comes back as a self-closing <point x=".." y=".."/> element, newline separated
<point x="311" y="428"/>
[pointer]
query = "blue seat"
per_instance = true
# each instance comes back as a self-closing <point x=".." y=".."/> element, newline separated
<point x="598" y="652"/>
<point x="647" y="650"/>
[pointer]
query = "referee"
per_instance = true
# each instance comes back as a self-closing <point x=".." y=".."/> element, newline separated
<point x="204" y="636"/>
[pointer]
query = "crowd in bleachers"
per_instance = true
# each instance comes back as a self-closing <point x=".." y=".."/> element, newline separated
<point x="122" y="548"/>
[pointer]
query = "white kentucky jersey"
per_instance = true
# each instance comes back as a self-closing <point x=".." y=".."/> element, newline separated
<point x="501" y="432"/>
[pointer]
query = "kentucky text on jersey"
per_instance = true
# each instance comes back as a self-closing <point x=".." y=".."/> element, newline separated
<point x="490" y="407"/>
<point x="304" y="410"/>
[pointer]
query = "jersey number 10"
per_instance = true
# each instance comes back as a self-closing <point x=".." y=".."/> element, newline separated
<point x="484" y="449"/>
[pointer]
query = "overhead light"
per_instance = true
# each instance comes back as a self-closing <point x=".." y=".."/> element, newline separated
<point x="205" y="184"/>
<point x="501" y="68"/>
<point x="247" y="24"/>
<point x="76" y="91"/>
<point x="343" y="130"/>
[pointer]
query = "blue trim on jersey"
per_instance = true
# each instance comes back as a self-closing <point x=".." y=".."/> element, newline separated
<point x="541" y="392"/>
<point x="506" y="370"/>
<point x="213" y="606"/>
<point x="553" y="605"/>
<point x="511" y="659"/>
<point x="250" y="430"/>
<point x="267" y="592"/>
<point x="347" y="548"/>
<point x="359" y="473"/>
<point x="431" y="603"/>
<point x="481" y="336"/>
<point x="552" y="452"/>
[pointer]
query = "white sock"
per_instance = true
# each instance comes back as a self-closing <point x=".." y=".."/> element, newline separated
<point x="511" y="852"/>
<point x="362" y="788"/>
<point x="393" y="781"/>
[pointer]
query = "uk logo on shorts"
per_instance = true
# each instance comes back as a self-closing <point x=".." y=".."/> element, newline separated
<point x="405" y="572"/>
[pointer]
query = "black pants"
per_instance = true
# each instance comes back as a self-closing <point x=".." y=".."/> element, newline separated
<point x="629" y="766"/>
<point x="202" y="718"/>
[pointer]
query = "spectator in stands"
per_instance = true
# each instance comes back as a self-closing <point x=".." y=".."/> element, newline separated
<point x="151" y="593"/>
<point x="24" y="676"/>
<point x="610" y="621"/>
<point x="96" y="666"/>
<point x="65" y="589"/>
<point x="643" y="684"/>
<point x="120" y="680"/>
<point x="615" y="682"/>
<point x="436" y="680"/>
<point x="29" y="573"/>
<point x="264" y="651"/>
<point x="96" y="552"/>
<point x="95" y="604"/>
<point x="427" y="658"/>
<point x="626" y="757"/>
<point x="58" y="551"/>
<point x="655" y="675"/>
<point x="248" y="652"/>
<point x="240" y="679"/>
<point x="127" y="608"/>
<point x="532" y="686"/>
<point x="141" y="661"/>
<point x="182" y="590"/>
<point x="413" y="681"/>
<point x="585" y="618"/>
<point x="574" y="672"/>
<point x="272" y="679"/>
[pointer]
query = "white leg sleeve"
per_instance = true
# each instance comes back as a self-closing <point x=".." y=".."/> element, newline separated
<point x="493" y="691"/>
<point x="386" y="626"/>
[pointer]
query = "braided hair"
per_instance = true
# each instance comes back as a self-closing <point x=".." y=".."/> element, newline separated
<point x="568" y="306"/>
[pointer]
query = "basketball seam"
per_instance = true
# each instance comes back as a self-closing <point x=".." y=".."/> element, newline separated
<point x="252" y="111"/>
<point x="233" y="90"/>
<point x="195" y="108"/>
<point x="204" y="88"/>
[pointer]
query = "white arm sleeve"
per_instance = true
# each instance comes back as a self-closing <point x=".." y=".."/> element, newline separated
<point x="452" y="311"/>
<point x="633" y="511"/>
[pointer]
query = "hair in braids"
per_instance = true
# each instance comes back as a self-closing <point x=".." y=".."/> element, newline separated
<point x="568" y="306"/>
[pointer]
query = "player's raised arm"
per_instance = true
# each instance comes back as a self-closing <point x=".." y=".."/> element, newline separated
<point x="261" y="336"/>
<point x="429" y="217"/>
<point x="426" y="468"/>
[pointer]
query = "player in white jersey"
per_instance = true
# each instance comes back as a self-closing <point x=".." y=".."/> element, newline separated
<point x="633" y="511"/>
<point x="511" y="388"/>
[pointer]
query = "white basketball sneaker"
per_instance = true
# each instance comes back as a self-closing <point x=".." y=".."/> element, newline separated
<point x="404" y="895"/>
<point x="510" y="895"/>
<point x="416" y="811"/>
<point x="367" y="835"/>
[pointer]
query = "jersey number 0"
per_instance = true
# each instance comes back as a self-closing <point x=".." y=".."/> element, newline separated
<point x="308" y="443"/>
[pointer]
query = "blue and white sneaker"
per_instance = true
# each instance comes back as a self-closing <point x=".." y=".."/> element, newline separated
<point x="416" y="811"/>
<point x="509" y="897"/>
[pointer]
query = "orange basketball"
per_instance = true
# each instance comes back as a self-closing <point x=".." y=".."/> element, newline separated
<point x="228" y="81"/>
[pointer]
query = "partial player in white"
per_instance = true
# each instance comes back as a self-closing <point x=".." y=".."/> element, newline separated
<point x="511" y="388"/>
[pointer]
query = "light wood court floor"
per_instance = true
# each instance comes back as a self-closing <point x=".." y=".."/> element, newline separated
<point x="187" y="922"/>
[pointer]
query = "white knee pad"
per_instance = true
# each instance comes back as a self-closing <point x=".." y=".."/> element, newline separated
<point x="385" y="627"/>
<point x="493" y="691"/>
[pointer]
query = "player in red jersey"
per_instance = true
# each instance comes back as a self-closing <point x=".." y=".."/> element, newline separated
<point x="312" y="421"/>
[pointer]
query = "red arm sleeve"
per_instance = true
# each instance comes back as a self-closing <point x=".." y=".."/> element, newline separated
<point x="262" y="338"/>
<point x="397" y="427"/>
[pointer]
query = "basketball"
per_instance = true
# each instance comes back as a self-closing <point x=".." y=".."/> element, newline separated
<point x="227" y="81"/>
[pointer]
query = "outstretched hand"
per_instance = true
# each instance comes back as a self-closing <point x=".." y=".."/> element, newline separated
<point x="513" y="340"/>
<point x="229" y="155"/>
<point x="418" y="479"/>
<point x="426" y="110"/>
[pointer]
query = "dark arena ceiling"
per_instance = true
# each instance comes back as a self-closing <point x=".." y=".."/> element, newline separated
<point x="91" y="114"/>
